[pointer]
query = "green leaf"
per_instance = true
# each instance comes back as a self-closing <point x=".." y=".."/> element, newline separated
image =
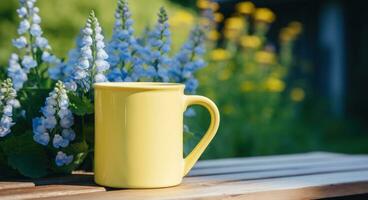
<point x="80" y="105"/>
<point x="24" y="155"/>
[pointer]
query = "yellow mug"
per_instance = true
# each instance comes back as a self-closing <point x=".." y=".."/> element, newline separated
<point x="139" y="134"/>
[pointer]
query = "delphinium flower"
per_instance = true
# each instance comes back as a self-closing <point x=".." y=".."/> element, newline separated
<point x="33" y="48"/>
<point x="63" y="159"/>
<point x="188" y="60"/>
<point x="123" y="49"/>
<point x="64" y="70"/>
<point x="56" y="121"/>
<point x="8" y="103"/>
<point x="159" y="42"/>
<point x="92" y="65"/>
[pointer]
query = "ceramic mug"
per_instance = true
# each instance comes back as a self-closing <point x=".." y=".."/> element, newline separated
<point x="139" y="134"/>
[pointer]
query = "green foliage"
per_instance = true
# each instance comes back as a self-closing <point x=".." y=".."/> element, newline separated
<point x="24" y="155"/>
<point x="80" y="105"/>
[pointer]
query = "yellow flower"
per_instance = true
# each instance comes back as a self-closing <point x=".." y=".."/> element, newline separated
<point x="264" y="15"/>
<point x="215" y="6"/>
<point x="265" y="57"/>
<point x="247" y="86"/>
<point x="225" y="74"/>
<point x="286" y="35"/>
<point x="296" y="26"/>
<point x="297" y="94"/>
<point x="250" y="41"/>
<point x="290" y="32"/>
<point x="218" y="17"/>
<point x="228" y="109"/>
<point x="207" y="4"/>
<point x="234" y="23"/>
<point x="274" y="85"/>
<point x="213" y="35"/>
<point x="203" y="4"/>
<point x="231" y="34"/>
<point x="220" y="54"/>
<point x="181" y="18"/>
<point x="245" y="7"/>
<point x="233" y="27"/>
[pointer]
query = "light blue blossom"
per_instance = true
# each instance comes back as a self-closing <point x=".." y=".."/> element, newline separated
<point x="188" y="60"/>
<point x="56" y="120"/>
<point x="28" y="62"/>
<point x="124" y="51"/>
<point x="16" y="73"/>
<point x="43" y="43"/>
<point x="8" y="103"/>
<point x="29" y="56"/>
<point x="159" y="44"/>
<point x="59" y="141"/>
<point x="62" y="159"/>
<point x="20" y="42"/>
<point x="36" y="30"/>
<point x="92" y="62"/>
<point x="24" y="26"/>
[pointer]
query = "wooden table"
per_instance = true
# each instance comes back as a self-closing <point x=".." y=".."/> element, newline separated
<point x="299" y="176"/>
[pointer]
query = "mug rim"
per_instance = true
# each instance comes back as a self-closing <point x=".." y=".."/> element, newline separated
<point x="138" y="85"/>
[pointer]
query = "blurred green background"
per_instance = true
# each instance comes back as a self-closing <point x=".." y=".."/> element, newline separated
<point x="277" y="91"/>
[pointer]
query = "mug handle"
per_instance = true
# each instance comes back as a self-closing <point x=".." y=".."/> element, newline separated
<point x="194" y="155"/>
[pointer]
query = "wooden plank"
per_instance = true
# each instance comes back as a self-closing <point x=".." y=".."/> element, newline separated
<point x="342" y="165"/>
<point x="317" y="186"/>
<point x="249" y="164"/>
<point x="47" y="191"/>
<point x="276" y="165"/>
<point x="328" y="191"/>
<point x="15" y="184"/>
<point x="263" y="160"/>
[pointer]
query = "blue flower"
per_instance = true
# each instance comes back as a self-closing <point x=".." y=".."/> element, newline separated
<point x="91" y="64"/>
<point x="57" y="119"/>
<point x="59" y="141"/>
<point x="20" y="42"/>
<point x="23" y="27"/>
<point x="36" y="30"/>
<point x="159" y="45"/>
<point x="29" y="27"/>
<point x="9" y="102"/>
<point x="188" y="60"/>
<point x="62" y="159"/>
<point x="124" y="50"/>
<point x="16" y="73"/>
<point x="28" y="63"/>
<point x="42" y="43"/>
<point x="68" y="134"/>
<point x="42" y="138"/>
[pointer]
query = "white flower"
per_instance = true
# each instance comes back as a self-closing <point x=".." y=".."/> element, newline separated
<point x="8" y="101"/>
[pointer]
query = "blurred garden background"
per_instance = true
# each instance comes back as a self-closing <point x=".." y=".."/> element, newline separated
<point x="287" y="75"/>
